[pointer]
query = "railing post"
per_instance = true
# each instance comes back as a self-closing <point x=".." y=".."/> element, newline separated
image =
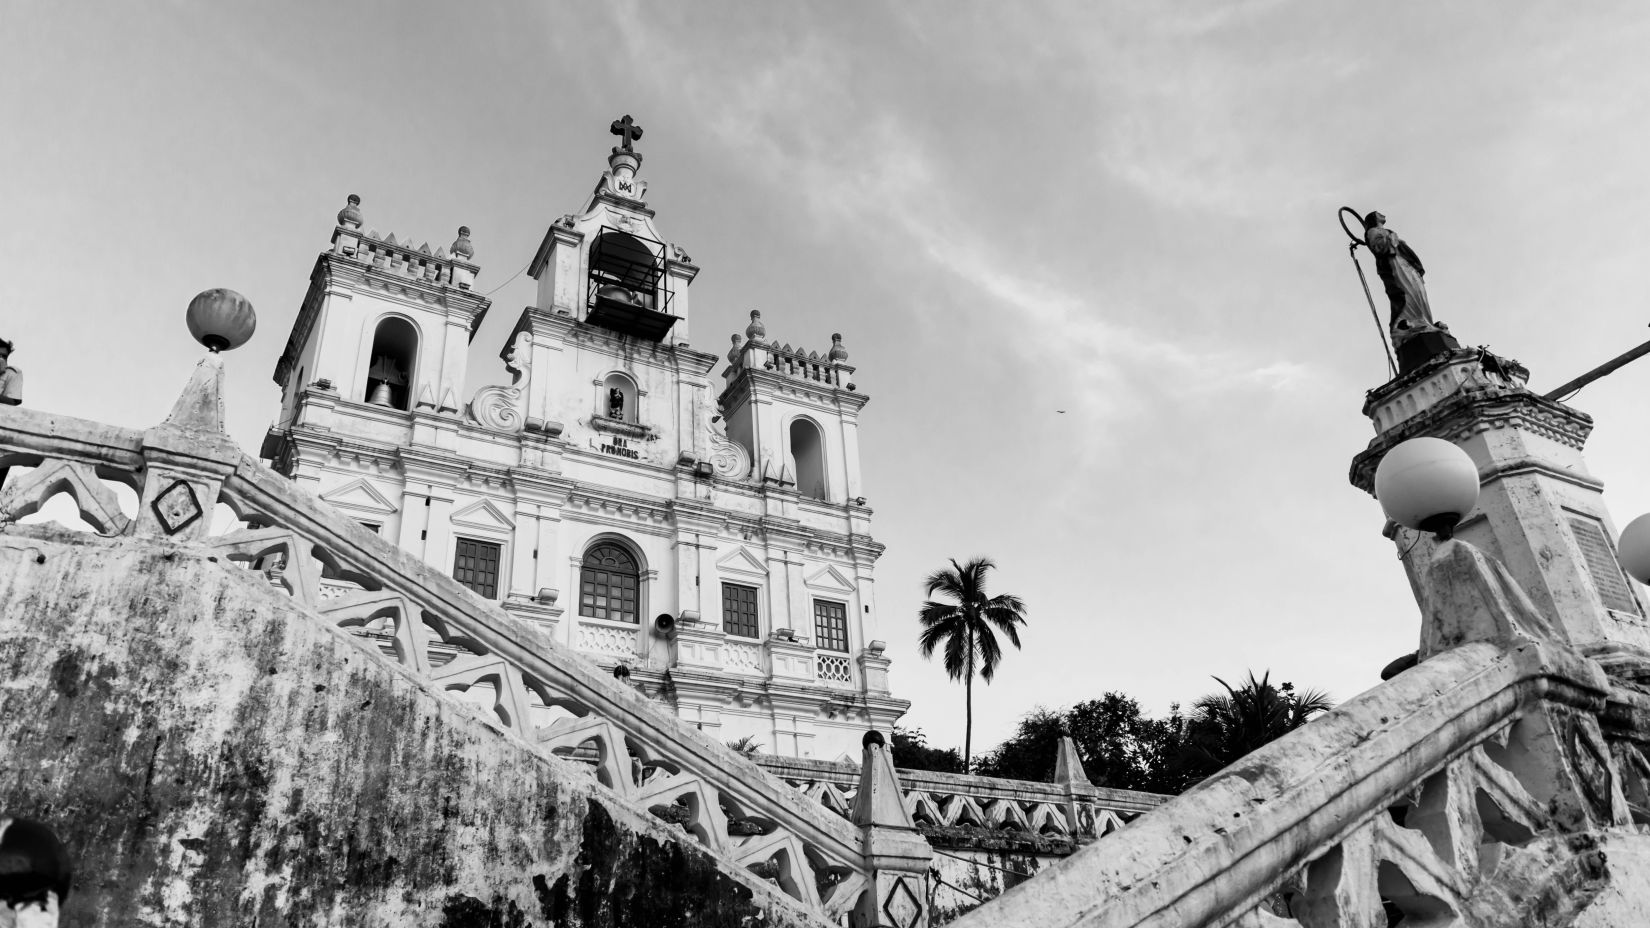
<point x="186" y="459"/>
<point x="897" y="858"/>
<point x="1069" y="776"/>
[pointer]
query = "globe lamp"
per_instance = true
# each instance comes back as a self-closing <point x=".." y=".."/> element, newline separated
<point x="222" y="320"/>
<point x="1427" y="484"/>
<point x="1634" y="550"/>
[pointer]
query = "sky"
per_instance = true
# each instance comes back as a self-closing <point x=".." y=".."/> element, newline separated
<point x="1125" y="211"/>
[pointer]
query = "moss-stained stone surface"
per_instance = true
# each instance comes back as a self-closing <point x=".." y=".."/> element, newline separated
<point x="214" y="757"/>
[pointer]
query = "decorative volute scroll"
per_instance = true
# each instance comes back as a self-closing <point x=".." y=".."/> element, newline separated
<point x="501" y="408"/>
<point x="727" y="457"/>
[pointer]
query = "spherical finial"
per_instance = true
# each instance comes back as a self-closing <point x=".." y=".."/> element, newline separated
<point x="1427" y="484"/>
<point x="222" y="320"/>
<point x="872" y="737"/>
<point x="1634" y="550"/>
<point x="838" y="353"/>
<point x="756" y="329"/>
<point x="736" y="350"/>
<point x="350" y="215"/>
<point x="461" y="246"/>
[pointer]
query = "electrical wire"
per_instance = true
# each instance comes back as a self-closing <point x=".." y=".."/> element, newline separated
<point x="507" y="283"/>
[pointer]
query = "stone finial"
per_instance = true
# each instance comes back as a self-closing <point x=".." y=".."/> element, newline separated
<point x="462" y="248"/>
<point x="880" y="801"/>
<point x="1068" y="766"/>
<point x="837" y="352"/>
<point x="756" y="331"/>
<point x="350" y="215"/>
<point x="737" y="350"/>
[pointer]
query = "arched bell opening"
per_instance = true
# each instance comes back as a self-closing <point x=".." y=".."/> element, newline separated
<point x="391" y="364"/>
<point x="623" y="269"/>
<point x="808" y="454"/>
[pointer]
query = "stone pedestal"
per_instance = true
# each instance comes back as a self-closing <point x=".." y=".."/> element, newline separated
<point x="1539" y="511"/>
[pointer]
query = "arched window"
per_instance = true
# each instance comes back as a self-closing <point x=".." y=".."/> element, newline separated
<point x="608" y="582"/>
<point x="390" y="364"/>
<point x="808" y="452"/>
<point x="618" y="399"/>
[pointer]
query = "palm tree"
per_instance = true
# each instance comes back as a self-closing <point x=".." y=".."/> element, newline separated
<point x="964" y="627"/>
<point x="1226" y="726"/>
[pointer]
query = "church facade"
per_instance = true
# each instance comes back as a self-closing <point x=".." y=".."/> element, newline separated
<point x="705" y="534"/>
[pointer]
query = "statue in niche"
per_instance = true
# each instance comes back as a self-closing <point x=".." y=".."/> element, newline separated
<point x="615" y="403"/>
<point x="1402" y="276"/>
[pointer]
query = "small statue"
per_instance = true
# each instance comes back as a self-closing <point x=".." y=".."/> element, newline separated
<point x="1401" y="274"/>
<point x="615" y="403"/>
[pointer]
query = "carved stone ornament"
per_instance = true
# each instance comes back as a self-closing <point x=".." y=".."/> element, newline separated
<point x="902" y="907"/>
<point x="176" y="507"/>
<point x="499" y="407"/>
<point x="728" y="458"/>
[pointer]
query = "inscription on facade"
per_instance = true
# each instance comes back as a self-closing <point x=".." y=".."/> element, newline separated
<point x="1602" y="565"/>
<point x="618" y="447"/>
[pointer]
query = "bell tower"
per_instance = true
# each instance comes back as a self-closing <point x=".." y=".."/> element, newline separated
<point x="385" y="323"/>
<point x="797" y="412"/>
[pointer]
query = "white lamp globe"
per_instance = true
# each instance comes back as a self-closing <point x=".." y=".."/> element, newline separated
<point x="1427" y="484"/>
<point x="1634" y="549"/>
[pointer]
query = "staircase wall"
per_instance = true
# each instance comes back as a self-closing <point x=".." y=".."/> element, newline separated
<point x="213" y="755"/>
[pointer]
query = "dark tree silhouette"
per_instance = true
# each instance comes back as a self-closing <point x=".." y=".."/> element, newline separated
<point x="964" y="627"/>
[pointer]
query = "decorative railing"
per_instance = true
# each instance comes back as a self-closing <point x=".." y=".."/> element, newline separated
<point x="834" y="669"/>
<point x="804" y="365"/>
<point x="939" y="801"/>
<point x="197" y="488"/>
<point x="1468" y="790"/>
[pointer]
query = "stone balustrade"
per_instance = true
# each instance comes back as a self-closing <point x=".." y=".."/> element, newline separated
<point x="1500" y="782"/>
<point x="196" y="488"/>
<point x="404" y="259"/>
<point x="945" y="806"/>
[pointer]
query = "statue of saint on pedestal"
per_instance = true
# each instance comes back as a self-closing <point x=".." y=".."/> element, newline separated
<point x="1401" y="274"/>
<point x="615" y="403"/>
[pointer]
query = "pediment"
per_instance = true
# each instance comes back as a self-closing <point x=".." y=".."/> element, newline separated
<point x="830" y="579"/>
<point x="741" y="561"/>
<point x="484" y="514"/>
<point x="360" y="496"/>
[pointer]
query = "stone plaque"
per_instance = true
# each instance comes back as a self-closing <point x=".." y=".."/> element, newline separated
<point x="1602" y="565"/>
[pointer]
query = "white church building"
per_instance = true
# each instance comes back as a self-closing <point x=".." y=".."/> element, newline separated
<point x="707" y="533"/>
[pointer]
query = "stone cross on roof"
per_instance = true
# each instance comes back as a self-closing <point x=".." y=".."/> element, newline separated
<point x="627" y="131"/>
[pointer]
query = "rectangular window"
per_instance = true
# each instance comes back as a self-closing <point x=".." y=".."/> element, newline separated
<point x="830" y="625"/>
<point x="739" y="611"/>
<point x="476" y="566"/>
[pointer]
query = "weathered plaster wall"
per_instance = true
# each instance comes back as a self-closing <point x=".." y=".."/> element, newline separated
<point x="969" y="877"/>
<point x="213" y="756"/>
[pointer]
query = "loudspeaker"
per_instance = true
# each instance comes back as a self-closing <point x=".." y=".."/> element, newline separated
<point x="664" y="626"/>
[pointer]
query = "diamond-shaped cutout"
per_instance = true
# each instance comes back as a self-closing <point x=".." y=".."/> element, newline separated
<point x="176" y="507"/>
<point x="902" y="907"/>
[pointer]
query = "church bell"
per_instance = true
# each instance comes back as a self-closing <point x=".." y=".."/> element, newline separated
<point x="381" y="395"/>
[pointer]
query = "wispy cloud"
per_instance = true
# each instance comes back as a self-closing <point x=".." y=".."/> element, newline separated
<point x="795" y="123"/>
